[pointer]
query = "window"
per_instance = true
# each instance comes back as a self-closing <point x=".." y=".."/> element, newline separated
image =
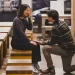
<point x="67" y="7"/>
<point x="8" y="9"/>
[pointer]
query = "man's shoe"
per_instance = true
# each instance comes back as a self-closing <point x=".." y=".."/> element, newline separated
<point x="68" y="74"/>
<point x="50" y="70"/>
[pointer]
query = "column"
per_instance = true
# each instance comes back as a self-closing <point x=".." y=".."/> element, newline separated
<point x="73" y="18"/>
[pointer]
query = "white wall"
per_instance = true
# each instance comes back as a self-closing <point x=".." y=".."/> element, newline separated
<point x="58" y="5"/>
<point x="29" y="2"/>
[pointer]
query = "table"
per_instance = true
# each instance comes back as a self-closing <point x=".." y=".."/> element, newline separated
<point x="6" y="24"/>
<point x="6" y="30"/>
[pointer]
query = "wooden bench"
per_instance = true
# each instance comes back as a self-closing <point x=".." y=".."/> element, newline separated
<point x="21" y="54"/>
<point x="1" y="53"/>
<point x="19" y="70"/>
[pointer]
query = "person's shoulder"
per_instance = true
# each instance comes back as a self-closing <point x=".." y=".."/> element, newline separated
<point x="16" y="19"/>
<point x="63" y="27"/>
<point x="62" y="22"/>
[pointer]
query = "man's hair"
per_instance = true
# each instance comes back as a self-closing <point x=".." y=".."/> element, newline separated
<point x="21" y="9"/>
<point x="54" y="14"/>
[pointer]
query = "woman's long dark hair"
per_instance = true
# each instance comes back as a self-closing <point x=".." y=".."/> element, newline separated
<point x="21" y="9"/>
<point x="54" y="14"/>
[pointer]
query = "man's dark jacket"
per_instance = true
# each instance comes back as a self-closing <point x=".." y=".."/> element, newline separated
<point x="61" y="35"/>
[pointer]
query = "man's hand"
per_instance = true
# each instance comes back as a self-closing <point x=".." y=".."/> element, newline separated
<point x="41" y="42"/>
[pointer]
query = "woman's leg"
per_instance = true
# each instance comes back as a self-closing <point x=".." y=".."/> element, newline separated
<point x="36" y="53"/>
<point x="36" y="56"/>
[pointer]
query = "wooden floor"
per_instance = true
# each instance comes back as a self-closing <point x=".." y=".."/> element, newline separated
<point x="56" y="61"/>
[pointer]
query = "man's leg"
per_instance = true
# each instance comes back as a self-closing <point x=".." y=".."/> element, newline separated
<point x="66" y="60"/>
<point x="48" y="50"/>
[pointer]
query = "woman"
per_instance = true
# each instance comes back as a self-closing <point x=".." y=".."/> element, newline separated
<point x="19" y="38"/>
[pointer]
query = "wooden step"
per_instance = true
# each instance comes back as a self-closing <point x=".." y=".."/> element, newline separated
<point x="19" y="62"/>
<point x="19" y="70"/>
<point x="20" y="57"/>
<point x="21" y="54"/>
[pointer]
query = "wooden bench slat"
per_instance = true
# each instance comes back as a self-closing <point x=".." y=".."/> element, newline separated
<point x="19" y="70"/>
<point x="19" y="62"/>
<point x="21" y="52"/>
<point x="21" y="57"/>
<point x="19" y="74"/>
<point x="5" y="29"/>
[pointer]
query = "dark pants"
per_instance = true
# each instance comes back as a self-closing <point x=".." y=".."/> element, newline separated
<point x="28" y="46"/>
<point x="66" y="57"/>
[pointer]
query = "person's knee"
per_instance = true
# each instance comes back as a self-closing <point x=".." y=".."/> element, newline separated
<point x="44" y="49"/>
<point x="65" y="70"/>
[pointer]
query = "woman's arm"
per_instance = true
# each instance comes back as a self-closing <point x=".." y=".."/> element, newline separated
<point x="29" y="24"/>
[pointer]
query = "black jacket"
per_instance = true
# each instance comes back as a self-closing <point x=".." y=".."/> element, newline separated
<point x="61" y="35"/>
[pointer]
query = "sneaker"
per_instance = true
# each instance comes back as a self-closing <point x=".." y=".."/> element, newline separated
<point x="34" y="70"/>
<point x="37" y="67"/>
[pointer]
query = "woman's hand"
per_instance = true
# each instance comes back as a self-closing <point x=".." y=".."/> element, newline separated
<point x="30" y="12"/>
<point x="39" y="42"/>
<point x="32" y="42"/>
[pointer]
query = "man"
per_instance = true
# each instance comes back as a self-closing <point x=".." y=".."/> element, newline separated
<point x="61" y="44"/>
